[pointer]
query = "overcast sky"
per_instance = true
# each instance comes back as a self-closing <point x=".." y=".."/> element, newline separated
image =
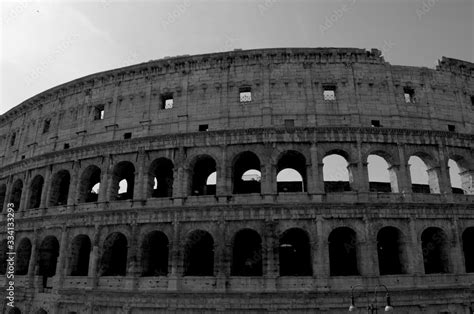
<point x="47" y="43"/>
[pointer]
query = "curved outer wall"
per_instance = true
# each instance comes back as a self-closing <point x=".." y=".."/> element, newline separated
<point x="62" y="129"/>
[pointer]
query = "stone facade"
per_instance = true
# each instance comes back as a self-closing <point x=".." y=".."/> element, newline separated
<point x="170" y="240"/>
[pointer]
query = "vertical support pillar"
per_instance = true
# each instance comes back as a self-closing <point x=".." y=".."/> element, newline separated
<point x="105" y="180"/>
<point x="403" y="175"/>
<point x="220" y="258"/>
<point x="456" y="252"/>
<point x="140" y="189"/>
<point x="321" y="254"/>
<point x="270" y="256"/>
<point x="133" y="268"/>
<point x="173" y="278"/>
<point x="46" y="188"/>
<point x="180" y="177"/>
<point x="223" y="175"/>
<point x="24" y="191"/>
<point x="467" y="181"/>
<point x="416" y="264"/>
<point x="33" y="258"/>
<point x="8" y="192"/>
<point x="362" y="178"/>
<point x="367" y="255"/>
<point x="444" y="179"/>
<point x="62" y="257"/>
<point x="316" y="179"/>
<point x="434" y="176"/>
<point x="73" y="184"/>
<point x="93" y="273"/>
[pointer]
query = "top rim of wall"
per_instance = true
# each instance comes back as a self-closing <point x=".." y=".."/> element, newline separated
<point x="374" y="55"/>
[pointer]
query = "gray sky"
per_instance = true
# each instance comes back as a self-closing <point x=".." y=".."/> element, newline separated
<point x="47" y="43"/>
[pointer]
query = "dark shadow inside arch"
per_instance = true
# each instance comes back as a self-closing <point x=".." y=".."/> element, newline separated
<point x="23" y="255"/>
<point x="14" y="310"/>
<point x="247" y="254"/>
<point x="468" y="249"/>
<point x="391" y="251"/>
<point x="36" y="190"/>
<point x="123" y="181"/>
<point x="48" y="256"/>
<point x="79" y="256"/>
<point x="89" y="185"/>
<point x="160" y="178"/>
<point x="201" y="169"/>
<point x="199" y="254"/>
<point x="435" y="251"/>
<point x="3" y="257"/>
<point x="246" y="173"/>
<point x="59" y="188"/>
<point x="15" y="195"/>
<point x="295" y="253"/>
<point x="291" y="172"/>
<point x="3" y="191"/>
<point x="114" y="256"/>
<point x="155" y="254"/>
<point x="343" y="252"/>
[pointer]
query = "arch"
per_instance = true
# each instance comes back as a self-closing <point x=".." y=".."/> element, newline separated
<point x="3" y="192"/>
<point x="242" y="164"/>
<point x="15" y="194"/>
<point x="391" y="251"/>
<point x="199" y="254"/>
<point x="23" y="255"/>
<point x="59" y="188"/>
<point x="464" y="173"/>
<point x="48" y="256"/>
<point x="434" y="244"/>
<point x="79" y="255"/>
<point x="468" y="249"/>
<point x="424" y="176"/>
<point x="160" y="178"/>
<point x="343" y="252"/>
<point x="295" y="253"/>
<point x="202" y="167"/>
<point x="335" y="172"/>
<point x="89" y="185"/>
<point x="36" y="190"/>
<point x="14" y="310"/>
<point x="382" y="177"/>
<point x="286" y="180"/>
<point x="155" y="251"/>
<point x="3" y="256"/>
<point x="114" y="255"/>
<point x="247" y="253"/>
<point x="123" y="172"/>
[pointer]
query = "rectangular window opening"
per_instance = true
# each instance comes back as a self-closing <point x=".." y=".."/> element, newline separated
<point x="127" y="136"/>
<point x="245" y="94"/>
<point x="46" y="125"/>
<point x="409" y="94"/>
<point x="22" y="157"/>
<point x="451" y="128"/>
<point x="12" y="139"/>
<point x="375" y="123"/>
<point x="329" y="92"/>
<point x="66" y="146"/>
<point x="99" y="112"/>
<point x="167" y="101"/>
<point x="203" y="127"/>
<point x="472" y="100"/>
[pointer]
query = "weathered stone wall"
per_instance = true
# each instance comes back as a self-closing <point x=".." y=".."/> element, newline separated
<point x="287" y="116"/>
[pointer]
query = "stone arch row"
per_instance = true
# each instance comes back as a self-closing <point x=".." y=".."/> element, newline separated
<point x="203" y="175"/>
<point x="198" y="254"/>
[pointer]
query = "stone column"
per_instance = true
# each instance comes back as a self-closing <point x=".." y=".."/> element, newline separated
<point x="173" y="278"/>
<point x="8" y="192"/>
<point x="73" y="184"/>
<point x="93" y="274"/>
<point x="456" y="253"/>
<point x="220" y="257"/>
<point x="24" y="191"/>
<point x="133" y="267"/>
<point x="321" y="253"/>
<point x="44" y="202"/>
<point x="33" y="258"/>
<point x="367" y="255"/>
<point x="444" y="179"/>
<point x="315" y="173"/>
<point x="223" y="178"/>
<point x="63" y="249"/>
<point x="270" y="256"/>
<point x="434" y="176"/>
<point x="140" y="189"/>
<point x="403" y="174"/>
<point x="105" y="180"/>
<point x="415" y="252"/>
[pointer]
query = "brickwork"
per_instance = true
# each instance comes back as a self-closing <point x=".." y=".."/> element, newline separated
<point x="173" y="241"/>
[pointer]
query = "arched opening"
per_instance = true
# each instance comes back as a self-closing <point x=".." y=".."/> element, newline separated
<point x="246" y="173"/>
<point x="155" y="254"/>
<point x="335" y="172"/>
<point x="79" y="258"/>
<point x="3" y="191"/>
<point x="462" y="178"/>
<point x="123" y="181"/>
<point x="291" y="172"/>
<point x="343" y="252"/>
<point x="295" y="253"/>
<point x="114" y="255"/>
<point x="423" y="180"/>
<point x="160" y="178"/>
<point x="199" y="254"/>
<point x="382" y="178"/>
<point x="23" y="255"/>
<point x="468" y="248"/>
<point x="59" y="188"/>
<point x="391" y="251"/>
<point x="435" y="251"/>
<point x="202" y="168"/>
<point x="36" y="189"/>
<point x="15" y="195"/>
<point x="247" y="254"/>
<point x="48" y="256"/>
<point x="3" y="257"/>
<point x="89" y="185"/>
<point x="14" y="310"/>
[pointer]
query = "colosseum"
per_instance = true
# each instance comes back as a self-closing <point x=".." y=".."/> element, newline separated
<point x="158" y="187"/>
